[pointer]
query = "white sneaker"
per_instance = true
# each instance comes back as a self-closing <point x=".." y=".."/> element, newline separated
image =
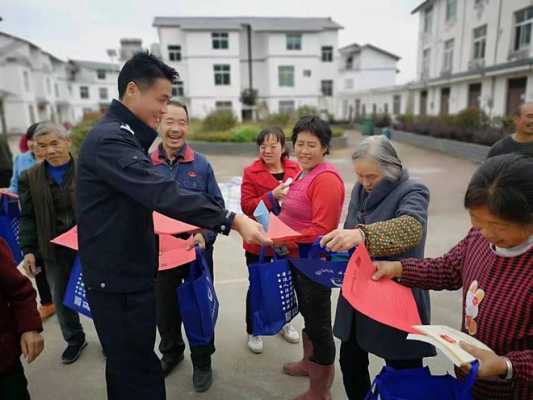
<point x="290" y="334"/>
<point x="255" y="344"/>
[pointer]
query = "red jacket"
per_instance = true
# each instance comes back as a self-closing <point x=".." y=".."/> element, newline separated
<point x="257" y="184"/>
<point x="18" y="310"/>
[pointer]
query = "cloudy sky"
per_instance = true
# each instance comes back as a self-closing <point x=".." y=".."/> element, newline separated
<point x="84" y="29"/>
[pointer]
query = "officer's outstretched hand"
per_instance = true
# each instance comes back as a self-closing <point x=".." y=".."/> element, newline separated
<point x="251" y="231"/>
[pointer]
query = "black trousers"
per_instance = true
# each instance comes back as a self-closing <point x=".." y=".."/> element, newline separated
<point x="314" y="301"/>
<point x="169" y="320"/>
<point x="42" y="286"/>
<point x="126" y="323"/>
<point x="354" y="366"/>
<point x="250" y="259"/>
<point x="13" y="384"/>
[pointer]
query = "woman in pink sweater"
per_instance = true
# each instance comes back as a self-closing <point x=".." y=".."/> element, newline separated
<point x="313" y="208"/>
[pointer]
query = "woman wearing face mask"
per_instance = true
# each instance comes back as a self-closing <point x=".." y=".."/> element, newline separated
<point x="387" y="211"/>
<point x="313" y="207"/>
<point x="265" y="180"/>
<point x="493" y="265"/>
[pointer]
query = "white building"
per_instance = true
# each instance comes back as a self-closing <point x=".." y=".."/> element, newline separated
<point x="363" y="69"/>
<point x="36" y="85"/>
<point x="289" y="61"/>
<point x="474" y="53"/>
<point x="94" y="85"/>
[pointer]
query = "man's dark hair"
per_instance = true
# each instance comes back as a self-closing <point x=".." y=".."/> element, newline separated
<point x="504" y="184"/>
<point x="144" y="69"/>
<point x="179" y="104"/>
<point x="275" y="132"/>
<point x="316" y="126"/>
<point x="31" y="131"/>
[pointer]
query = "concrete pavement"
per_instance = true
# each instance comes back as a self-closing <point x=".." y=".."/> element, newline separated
<point x="239" y="374"/>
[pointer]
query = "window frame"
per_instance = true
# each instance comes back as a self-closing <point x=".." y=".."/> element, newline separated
<point x="326" y="87"/>
<point x="326" y="53"/>
<point x="479" y="42"/>
<point x="219" y="40"/>
<point x="288" y="79"/>
<point x="518" y="29"/>
<point x="174" y="52"/>
<point x="222" y="74"/>
<point x="293" y="41"/>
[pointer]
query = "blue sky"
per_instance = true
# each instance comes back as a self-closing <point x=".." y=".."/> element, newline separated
<point x="84" y="29"/>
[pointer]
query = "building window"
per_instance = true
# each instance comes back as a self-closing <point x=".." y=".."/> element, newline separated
<point x="222" y="74"/>
<point x="56" y="89"/>
<point x="307" y="73"/>
<point x="48" y="86"/>
<point x="522" y="29"/>
<point x="103" y="93"/>
<point x="374" y="109"/>
<point x="69" y="87"/>
<point x="31" y="113"/>
<point x="386" y="108"/>
<point x="397" y="104"/>
<point x="100" y="74"/>
<point x="174" y="52"/>
<point x="349" y="62"/>
<point x="220" y="40"/>
<point x="428" y="19"/>
<point x="363" y="108"/>
<point x="327" y="87"/>
<point x="84" y="92"/>
<point x="286" y="106"/>
<point x="451" y="10"/>
<point x="447" y="62"/>
<point x="426" y="55"/>
<point x="286" y="76"/>
<point x="26" y="79"/>
<point x="348" y="83"/>
<point x="294" y="41"/>
<point x="224" y="105"/>
<point x="480" y="42"/>
<point x="178" y="90"/>
<point x="327" y="53"/>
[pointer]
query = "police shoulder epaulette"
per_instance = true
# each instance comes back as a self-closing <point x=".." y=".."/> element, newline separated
<point x="126" y="127"/>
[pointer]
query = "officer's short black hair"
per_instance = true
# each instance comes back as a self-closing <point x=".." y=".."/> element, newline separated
<point x="143" y="69"/>
<point x="316" y="126"/>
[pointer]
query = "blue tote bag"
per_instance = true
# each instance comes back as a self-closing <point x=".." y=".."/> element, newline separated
<point x="75" y="295"/>
<point x="10" y="225"/>
<point x="272" y="296"/>
<point x="198" y="303"/>
<point x="321" y="266"/>
<point x="419" y="384"/>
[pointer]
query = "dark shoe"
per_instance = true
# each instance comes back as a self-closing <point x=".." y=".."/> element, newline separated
<point x="202" y="378"/>
<point x="72" y="352"/>
<point x="168" y="364"/>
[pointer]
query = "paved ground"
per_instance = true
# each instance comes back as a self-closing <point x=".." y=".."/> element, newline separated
<point x="240" y="374"/>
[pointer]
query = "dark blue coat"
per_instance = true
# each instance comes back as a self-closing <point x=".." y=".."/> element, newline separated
<point x="117" y="190"/>
<point x="193" y="172"/>
<point x="386" y="201"/>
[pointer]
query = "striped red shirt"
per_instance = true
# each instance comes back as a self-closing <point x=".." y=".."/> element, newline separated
<point x="497" y="305"/>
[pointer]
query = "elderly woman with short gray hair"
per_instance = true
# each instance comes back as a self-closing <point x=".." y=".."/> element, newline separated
<point x="387" y="212"/>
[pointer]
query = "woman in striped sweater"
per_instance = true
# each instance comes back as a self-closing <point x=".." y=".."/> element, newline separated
<point x="494" y="266"/>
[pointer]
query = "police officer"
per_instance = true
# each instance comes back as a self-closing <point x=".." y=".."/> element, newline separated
<point x="117" y="190"/>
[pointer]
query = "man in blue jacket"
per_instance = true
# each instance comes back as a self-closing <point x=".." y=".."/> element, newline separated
<point x="117" y="190"/>
<point x="193" y="172"/>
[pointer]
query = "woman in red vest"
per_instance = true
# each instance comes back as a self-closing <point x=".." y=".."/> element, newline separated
<point x="313" y="208"/>
<point x="264" y="180"/>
